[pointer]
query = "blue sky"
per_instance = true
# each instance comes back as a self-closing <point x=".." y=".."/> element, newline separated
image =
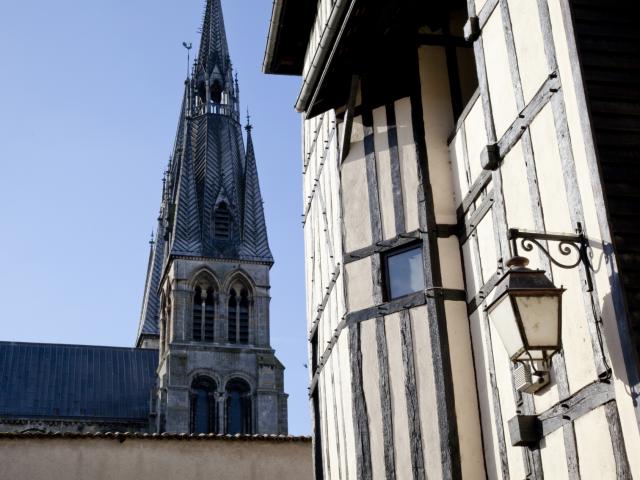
<point x="89" y="98"/>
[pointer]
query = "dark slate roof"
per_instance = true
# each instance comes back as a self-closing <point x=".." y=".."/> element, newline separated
<point x="75" y="381"/>
<point x="214" y="50"/>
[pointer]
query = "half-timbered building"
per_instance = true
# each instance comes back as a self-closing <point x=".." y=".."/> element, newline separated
<point x="441" y="139"/>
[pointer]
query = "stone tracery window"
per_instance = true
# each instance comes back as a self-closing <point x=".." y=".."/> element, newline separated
<point x="238" y="315"/>
<point x="238" y="406"/>
<point x="204" y="412"/>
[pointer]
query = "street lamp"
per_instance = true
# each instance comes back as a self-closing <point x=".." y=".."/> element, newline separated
<point x="527" y="313"/>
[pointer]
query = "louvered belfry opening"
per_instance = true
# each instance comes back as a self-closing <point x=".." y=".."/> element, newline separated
<point x="238" y="318"/>
<point x="608" y="41"/>
<point x="222" y="223"/>
<point x="203" y="314"/>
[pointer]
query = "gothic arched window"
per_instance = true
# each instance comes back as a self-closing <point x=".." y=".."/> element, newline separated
<point x="203" y="406"/>
<point x="238" y="407"/>
<point x="238" y="323"/>
<point x="222" y="223"/>
<point x="203" y="313"/>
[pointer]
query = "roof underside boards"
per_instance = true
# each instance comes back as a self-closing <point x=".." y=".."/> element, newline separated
<point x="75" y="382"/>
<point x="608" y="41"/>
<point x="376" y="38"/>
<point x="291" y="22"/>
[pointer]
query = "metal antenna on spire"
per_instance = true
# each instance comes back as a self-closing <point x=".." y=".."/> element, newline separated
<point x="188" y="46"/>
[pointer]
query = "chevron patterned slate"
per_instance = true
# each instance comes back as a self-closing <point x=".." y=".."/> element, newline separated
<point x="213" y="46"/>
<point x="151" y="301"/>
<point x="255" y="241"/>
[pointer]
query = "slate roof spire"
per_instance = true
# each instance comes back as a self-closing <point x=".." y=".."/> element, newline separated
<point x="209" y="167"/>
<point x="214" y="50"/>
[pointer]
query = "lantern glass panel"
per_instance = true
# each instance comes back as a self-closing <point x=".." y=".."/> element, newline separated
<point x="504" y="321"/>
<point x="539" y="315"/>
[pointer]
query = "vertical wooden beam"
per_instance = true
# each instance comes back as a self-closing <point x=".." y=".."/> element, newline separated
<point x="385" y="401"/>
<point x="411" y="394"/>
<point x="576" y="211"/>
<point x="619" y="449"/>
<point x="360" y="415"/>
<point x="396" y="176"/>
<point x="488" y="348"/>
<point x="483" y="84"/>
<point x="528" y="407"/>
<point x="445" y="400"/>
<point x="372" y="175"/>
<point x="631" y="361"/>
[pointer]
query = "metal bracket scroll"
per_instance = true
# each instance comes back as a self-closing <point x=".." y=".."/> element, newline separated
<point x="566" y="243"/>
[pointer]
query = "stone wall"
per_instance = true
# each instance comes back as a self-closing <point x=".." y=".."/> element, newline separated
<point x="157" y="457"/>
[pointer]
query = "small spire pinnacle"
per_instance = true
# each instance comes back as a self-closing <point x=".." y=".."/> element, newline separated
<point x="248" y="127"/>
<point x="152" y="241"/>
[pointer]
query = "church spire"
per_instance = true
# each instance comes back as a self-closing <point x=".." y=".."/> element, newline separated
<point x="214" y="50"/>
<point x="256" y="243"/>
<point x="214" y="82"/>
<point x="211" y="204"/>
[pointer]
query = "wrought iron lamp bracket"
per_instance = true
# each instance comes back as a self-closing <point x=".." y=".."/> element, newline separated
<point x="566" y="243"/>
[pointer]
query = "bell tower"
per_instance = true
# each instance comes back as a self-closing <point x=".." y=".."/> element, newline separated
<point x="206" y="300"/>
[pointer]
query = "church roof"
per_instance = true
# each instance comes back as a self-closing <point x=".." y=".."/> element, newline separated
<point x="209" y="168"/>
<point x="76" y="382"/>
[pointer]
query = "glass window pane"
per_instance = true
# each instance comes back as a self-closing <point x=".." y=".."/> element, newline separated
<point x="405" y="273"/>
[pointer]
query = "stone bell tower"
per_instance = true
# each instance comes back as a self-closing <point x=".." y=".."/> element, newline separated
<point x="206" y="301"/>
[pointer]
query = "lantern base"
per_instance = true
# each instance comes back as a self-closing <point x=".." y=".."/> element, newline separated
<point x="529" y="378"/>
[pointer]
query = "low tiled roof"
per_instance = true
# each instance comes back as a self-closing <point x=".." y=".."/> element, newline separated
<point x="155" y="436"/>
<point x="76" y="382"/>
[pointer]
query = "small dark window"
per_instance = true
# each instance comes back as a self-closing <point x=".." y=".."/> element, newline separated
<point x="403" y="271"/>
<point x="222" y="223"/>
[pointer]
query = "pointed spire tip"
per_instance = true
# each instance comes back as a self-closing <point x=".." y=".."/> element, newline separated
<point x="248" y="127"/>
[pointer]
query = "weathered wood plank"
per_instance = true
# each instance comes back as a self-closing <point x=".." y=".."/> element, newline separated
<point x="570" y="177"/>
<point x="360" y="415"/>
<point x="569" y="409"/>
<point x="411" y="395"/>
<point x="528" y="407"/>
<point x="466" y="228"/>
<point x="382" y="246"/>
<point x="528" y="114"/>
<point x="348" y="117"/>
<point x="445" y="399"/>
<point x="474" y="192"/>
<point x="483" y="85"/>
<point x="623" y="470"/>
<point x="385" y="400"/>
<point x="632" y="366"/>
<point x="396" y="175"/>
